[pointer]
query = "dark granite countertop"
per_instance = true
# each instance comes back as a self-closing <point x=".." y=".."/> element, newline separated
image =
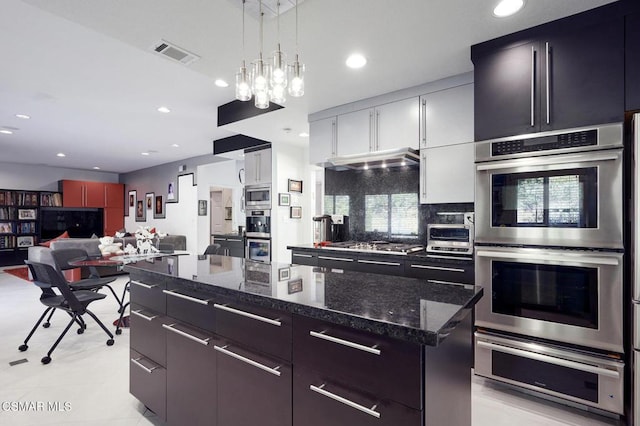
<point x="408" y="309"/>
<point x="416" y="254"/>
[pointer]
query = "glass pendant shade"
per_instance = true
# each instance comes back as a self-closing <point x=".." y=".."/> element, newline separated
<point x="296" y="78"/>
<point x="260" y="75"/>
<point x="278" y="80"/>
<point x="243" y="86"/>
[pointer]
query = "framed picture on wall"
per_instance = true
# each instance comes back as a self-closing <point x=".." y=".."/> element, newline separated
<point x="158" y="212"/>
<point x="294" y="286"/>
<point x="295" y="185"/>
<point x="26" y="214"/>
<point x="284" y="199"/>
<point x="140" y="211"/>
<point x="149" y="200"/>
<point x="132" y="202"/>
<point x="25" y="241"/>
<point x="172" y="195"/>
<point x="295" y="212"/>
<point x="202" y="207"/>
<point x="284" y="274"/>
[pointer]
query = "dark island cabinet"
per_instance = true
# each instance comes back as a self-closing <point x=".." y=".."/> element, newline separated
<point x="253" y="389"/>
<point x="300" y="257"/>
<point x="380" y="265"/>
<point x="191" y="376"/>
<point x="632" y="58"/>
<point x="230" y="245"/>
<point x="557" y="79"/>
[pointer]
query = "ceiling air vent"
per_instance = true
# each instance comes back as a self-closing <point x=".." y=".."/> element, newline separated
<point x="175" y="53"/>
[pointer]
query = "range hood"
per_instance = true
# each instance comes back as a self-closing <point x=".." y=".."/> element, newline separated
<point x="396" y="157"/>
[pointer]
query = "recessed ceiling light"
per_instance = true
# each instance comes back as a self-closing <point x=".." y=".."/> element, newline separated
<point x="164" y="109"/>
<point x="144" y="153"/>
<point x="23" y="116"/>
<point x="96" y="168"/>
<point x="356" y="60"/>
<point x="221" y="83"/>
<point x="507" y="8"/>
<point x="304" y="135"/>
<point x="6" y="132"/>
<point x="61" y="154"/>
<point x="175" y="145"/>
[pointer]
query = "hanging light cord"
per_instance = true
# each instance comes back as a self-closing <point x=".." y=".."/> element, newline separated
<point x="261" y="14"/>
<point x="297" y="50"/>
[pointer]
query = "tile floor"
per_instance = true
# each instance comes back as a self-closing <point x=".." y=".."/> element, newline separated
<point x="87" y="381"/>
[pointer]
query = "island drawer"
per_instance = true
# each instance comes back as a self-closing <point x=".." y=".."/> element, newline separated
<point x="441" y="268"/>
<point x="319" y="401"/>
<point x="148" y="383"/>
<point x="304" y="258"/>
<point x="191" y="307"/>
<point x="262" y="329"/>
<point x="148" y="294"/>
<point x="388" y="368"/>
<point x="147" y="335"/>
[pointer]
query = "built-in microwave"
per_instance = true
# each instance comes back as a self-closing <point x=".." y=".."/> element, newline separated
<point x="257" y="197"/>
<point x="561" y="188"/>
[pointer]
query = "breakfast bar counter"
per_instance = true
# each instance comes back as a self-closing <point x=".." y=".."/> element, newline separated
<point x="302" y="344"/>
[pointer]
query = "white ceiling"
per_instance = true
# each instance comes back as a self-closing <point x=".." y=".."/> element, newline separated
<point x="84" y="70"/>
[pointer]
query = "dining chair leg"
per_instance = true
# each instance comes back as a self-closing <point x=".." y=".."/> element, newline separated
<point x="47" y="359"/>
<point x="48" y="321"/>
<point x="24" y="346"/>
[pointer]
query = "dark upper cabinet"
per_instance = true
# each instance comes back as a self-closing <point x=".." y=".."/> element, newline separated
<point x="632" y="58"/>
<point x="567" y="77"/>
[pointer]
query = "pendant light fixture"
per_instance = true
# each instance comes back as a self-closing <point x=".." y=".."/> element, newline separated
<point x="260" y="75"/>
<point x="278" y="81"/>
<point x="243" y="84"/>
<point x="295" y="70"/>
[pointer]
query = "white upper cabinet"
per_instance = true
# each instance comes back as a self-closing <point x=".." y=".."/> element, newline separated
<point x="355" y="132"/>
<point x="397" y="125"/>
<point x="447" y="117"/>
<point x="257" y="165"/>
<point x="322" y="140"/>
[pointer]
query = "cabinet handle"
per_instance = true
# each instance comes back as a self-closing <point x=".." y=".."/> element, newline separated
<point x="224" y="350"/>
<point x="301" y="255"/>
<point x="137" y="362"/>
<point x="423" y="114"/>
<point x="377" y="131"/>
<point x="323" y="336"/>
<point x="437" y="268"/>
<point x="138" y="314"/>
<point x="189" y="298"/>
<point x="375" y="262"/>
<point x="370" y="411"/>
<point x="548" y="68"/>
<point x="187" y="335"/>
<point x="533" y="82"/>
<point x="334" y="138"/>
<point x="339" y="259"/>
<point x="371" y="131"/>
<point x="248" y="315"/>
<point x="147" y="286"/>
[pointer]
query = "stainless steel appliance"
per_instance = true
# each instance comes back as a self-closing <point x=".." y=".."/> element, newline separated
<point x="259" y="249"/>
<point x="322" y="229"/>
<point x="451" y="238"/>
<point x="583" y="377"/>
<point x="559" y="188"/>
<point x="570" y="296"/>
<point x="635" y="268"/>
<point x="257" y="196"/>
<point x="258" y="223"/>
<point x="339" y="227"/>
<point x="381" y="247"/>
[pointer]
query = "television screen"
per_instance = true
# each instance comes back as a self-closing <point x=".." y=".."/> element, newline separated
<point x="78" y="222"/>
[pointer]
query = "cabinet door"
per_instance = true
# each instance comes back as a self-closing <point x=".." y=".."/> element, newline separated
<point x="632" y="62"/>
<point x="113" y="220"/>
<point x="264" y="170"/>
<point x="257" y="167"/>
<point x="448" y="116"/>
<point x="304" y="258"/>
<point x="252" y="389"/>
<point x="506" y="101"/>
<point x="191" y="377"/>
<point x="355" y="132"/>
<point x="397" y="125"/>
<point x="583" y="77"/>
<point x="449" y="174"/>
<point x="114" y="195"/>
<point x="73" y="193"/>
<point x="334" y="259"/>
<point x="322" y="137"/>
<point x="94" y="194"/>
<point x="251" y="168"/>
<point x="235" y="247"/>
<point x="148" y="383"/>
<point x="385" y="265"/>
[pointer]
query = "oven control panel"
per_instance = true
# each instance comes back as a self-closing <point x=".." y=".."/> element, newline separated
<point x="545" y="143"/>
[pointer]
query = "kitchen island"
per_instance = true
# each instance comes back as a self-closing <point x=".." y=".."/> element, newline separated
<point x="227" y="341"/>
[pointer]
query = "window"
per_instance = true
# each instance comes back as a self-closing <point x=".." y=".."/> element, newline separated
<point x="564" y="196"/>
<point x="392" y="214"/>
<point x="336" y="204"/>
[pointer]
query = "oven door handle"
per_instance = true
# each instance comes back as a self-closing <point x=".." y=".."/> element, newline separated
<point x="590" y="157"/>
<point x="582" y="260"/>
<point x="551" y="360"/>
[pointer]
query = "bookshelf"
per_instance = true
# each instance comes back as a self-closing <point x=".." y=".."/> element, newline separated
<point x="19" y="226"/>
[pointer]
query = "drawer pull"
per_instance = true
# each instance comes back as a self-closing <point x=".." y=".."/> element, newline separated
<point x="438" y="268"/>
<point x="137" y="362"/>
<point x="248" y="315"/>
<point x="302" y="255"/>
<point x="339" y="259"/>
<point x="185" y="297"/>
<point x="376" y="262"/>
<point x="143" y="284"/>
<point x="322" y="335"/>
<point x="138" y="314"/>
<point x="456" y="258"/>
<point x="370" y="411"/>
<point x="224" y="350"/>
<point x="187" y="335"/>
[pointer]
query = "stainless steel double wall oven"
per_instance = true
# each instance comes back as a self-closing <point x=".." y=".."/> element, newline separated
<point x="549" y="252"/>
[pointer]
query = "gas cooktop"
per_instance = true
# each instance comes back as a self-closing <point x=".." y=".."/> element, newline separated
<point x="377" y="246"/>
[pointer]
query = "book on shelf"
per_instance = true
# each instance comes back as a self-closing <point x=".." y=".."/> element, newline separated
<point x="7" y="198"/>
<point x="7" y="242"/>
<point x="53" y="199"/>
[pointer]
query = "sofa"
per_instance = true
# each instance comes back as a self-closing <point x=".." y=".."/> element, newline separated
<point x="42" y="254"/>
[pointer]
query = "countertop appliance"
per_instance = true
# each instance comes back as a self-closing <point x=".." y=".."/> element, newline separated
<point x="339" y="227"/>
<point x="381" y="247"/>
<point x="257" y="197"/>
<point x="559" y="188"/>
<point x="321" y="229"/>
<point x="451" y="238"/>
<point x="258" y="223"/>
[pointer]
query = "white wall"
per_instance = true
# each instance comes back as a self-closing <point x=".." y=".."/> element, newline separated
<point x="45" y="178"/>
<point x="290" y="162"/>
